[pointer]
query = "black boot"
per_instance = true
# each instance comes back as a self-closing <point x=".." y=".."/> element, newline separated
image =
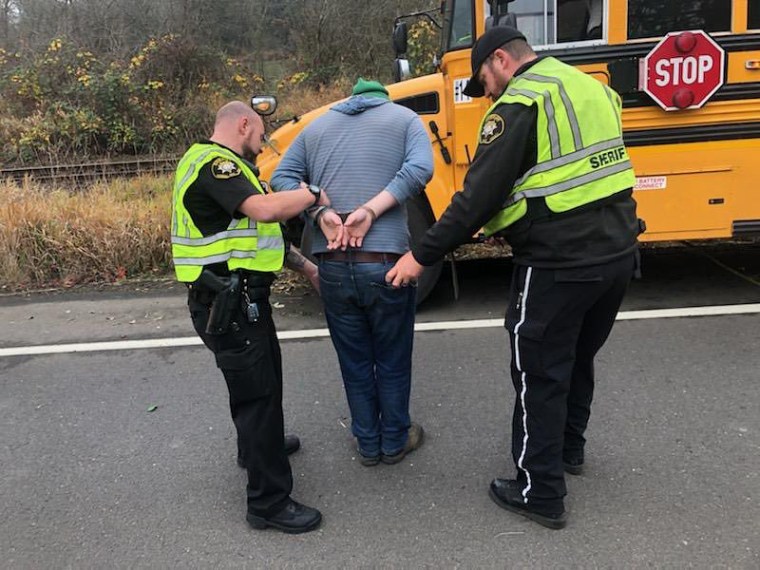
<point x="295" y="518"/>
<point x="507" y="494"/>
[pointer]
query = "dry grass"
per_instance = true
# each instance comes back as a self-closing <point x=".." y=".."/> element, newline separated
<point x="102" y="234"/>
<point x="297" y="99"/>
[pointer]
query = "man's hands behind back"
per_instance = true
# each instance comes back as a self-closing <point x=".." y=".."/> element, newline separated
<point x="342" y="235"/>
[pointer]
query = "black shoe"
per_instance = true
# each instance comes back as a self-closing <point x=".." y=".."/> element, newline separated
<point x="413" y="441"/>
<point x="292" y="444"/>
<point x="506" y="493"/>
<point x="295" y="518"/>
<point x="573" y="466"/>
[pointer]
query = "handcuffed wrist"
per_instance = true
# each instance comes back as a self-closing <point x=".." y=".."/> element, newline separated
<point x="370" y="211"/>
<point x="319" y="212"/>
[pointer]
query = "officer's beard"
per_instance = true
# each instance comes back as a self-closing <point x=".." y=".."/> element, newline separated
<point x="249" y="154"/>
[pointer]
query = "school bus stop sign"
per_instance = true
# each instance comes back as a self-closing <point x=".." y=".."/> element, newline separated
<point x="683" y="71"/>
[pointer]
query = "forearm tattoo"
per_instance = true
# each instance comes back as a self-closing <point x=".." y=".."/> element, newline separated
<point x="295" y="260"/>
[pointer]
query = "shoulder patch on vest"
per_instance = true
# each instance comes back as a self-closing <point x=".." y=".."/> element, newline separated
<point x="224" y="168"/>
<point x="493" y="128"/>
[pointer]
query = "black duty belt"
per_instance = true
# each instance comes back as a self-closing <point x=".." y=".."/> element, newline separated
<point x="226" y="296"/>
<point x="256" y="284"/>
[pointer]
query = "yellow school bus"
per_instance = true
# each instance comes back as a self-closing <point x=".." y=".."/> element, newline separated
<point x="688" y="72"/>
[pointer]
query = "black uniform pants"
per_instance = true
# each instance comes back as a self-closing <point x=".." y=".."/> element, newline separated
<point x="557" y="321"/>
<point x="249" y="357"/>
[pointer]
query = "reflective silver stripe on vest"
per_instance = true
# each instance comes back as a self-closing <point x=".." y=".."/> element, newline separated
<point x="185" y="178"/>
<point x="570" y="158"/>
<point x="221" y="258"/>
<point x="234" y="223"/>
<point x="549" y="110"/>
<point x="568" y="184"/>
<point x="615" y="110"/>
<point x="214" y="238"/>
<point x="271" y="242"/>
<point x="569" y="109"/>
<point x="193" y="164"/>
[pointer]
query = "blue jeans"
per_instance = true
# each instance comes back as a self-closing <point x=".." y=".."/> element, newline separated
<point x="372" y="328"/>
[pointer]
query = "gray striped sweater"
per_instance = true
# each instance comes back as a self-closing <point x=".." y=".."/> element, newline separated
<point x="360" y="147"/>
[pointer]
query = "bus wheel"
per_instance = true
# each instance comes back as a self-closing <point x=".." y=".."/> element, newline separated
<point x="420" y="218"/>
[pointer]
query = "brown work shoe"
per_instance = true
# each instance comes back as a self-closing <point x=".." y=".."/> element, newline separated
<point x="413" y="440"/>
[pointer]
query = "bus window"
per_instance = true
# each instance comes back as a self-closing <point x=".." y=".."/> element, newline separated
<point x="461" y="25"/>
<point x="576" y="20"/>
<point x="534" y="20"/>
<point x="655" y="18"/>
<point x="753" y="14"/>
<point x="595" y="20"/>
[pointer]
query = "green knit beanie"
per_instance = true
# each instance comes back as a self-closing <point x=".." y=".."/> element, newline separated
<point x="370" y="89"/>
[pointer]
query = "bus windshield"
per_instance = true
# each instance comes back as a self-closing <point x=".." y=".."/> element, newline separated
<point x="460" y="30"/>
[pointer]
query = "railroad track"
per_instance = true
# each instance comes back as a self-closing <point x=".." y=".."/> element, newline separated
<point x="78" y="174"/>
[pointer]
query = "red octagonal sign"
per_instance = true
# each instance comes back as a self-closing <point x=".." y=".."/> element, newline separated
<point x="683" y="70"/>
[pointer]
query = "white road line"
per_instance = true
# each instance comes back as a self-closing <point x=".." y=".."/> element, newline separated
<point x="712" y="311"/>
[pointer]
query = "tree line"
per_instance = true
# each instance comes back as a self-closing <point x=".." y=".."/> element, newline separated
<point x="91" y="78"/>
<point x="318" y="31"/>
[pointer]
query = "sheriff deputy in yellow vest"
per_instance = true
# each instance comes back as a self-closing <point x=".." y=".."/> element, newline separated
<point x="551" y="175"/>
<point x="226" y="246"/>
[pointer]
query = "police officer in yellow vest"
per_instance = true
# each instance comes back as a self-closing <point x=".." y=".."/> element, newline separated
<point x="227" y="245"/>
<point x="551" y="175"/>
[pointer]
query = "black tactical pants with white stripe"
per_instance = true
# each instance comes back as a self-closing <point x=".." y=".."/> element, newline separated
<point x="557" y="319"/>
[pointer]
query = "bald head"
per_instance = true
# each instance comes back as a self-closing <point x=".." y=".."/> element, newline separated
<point x="233" y="111"/>
<point x="240" y="128"/>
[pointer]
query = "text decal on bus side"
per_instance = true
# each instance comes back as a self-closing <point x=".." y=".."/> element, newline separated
<point x="459" y="96"/>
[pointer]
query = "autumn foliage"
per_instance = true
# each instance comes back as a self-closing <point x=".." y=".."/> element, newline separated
<point x="66" y="103"/>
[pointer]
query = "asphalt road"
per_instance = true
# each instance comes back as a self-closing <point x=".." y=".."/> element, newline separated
<point x="91" y="479"/>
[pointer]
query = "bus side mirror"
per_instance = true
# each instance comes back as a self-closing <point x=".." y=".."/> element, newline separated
<point x="509" y="19"/>
<point x="401" y="69"/>
<point x="263" y="104"/>
<point x="400" y="33"/>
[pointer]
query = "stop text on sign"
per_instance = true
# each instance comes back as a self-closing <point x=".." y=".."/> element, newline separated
<point x="683" y="70"/>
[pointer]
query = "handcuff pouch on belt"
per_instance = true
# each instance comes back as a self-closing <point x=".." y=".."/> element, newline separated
<point x="227" y="294"/>
<point x="255" y="290"/>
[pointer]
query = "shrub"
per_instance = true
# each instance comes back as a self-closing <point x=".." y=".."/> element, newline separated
<point x="73" y="104"/>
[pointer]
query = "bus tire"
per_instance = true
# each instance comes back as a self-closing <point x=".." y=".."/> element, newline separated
<point x="419" y="219"/>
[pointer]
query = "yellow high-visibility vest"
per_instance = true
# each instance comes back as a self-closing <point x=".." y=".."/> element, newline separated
<point x="581" y="157"/>
<point x="245" y="244"/>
